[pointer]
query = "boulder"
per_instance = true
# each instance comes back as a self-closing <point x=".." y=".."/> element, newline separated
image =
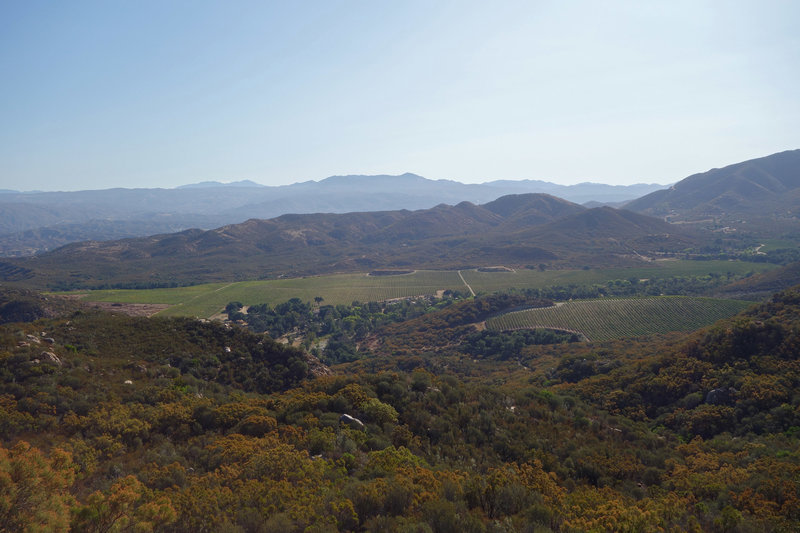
<point x="721" y="396"/>
<point x="50" y="357"/>
<point x="354" y="423"/>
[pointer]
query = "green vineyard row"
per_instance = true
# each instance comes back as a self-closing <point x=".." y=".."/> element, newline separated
<point x="600" y="320"/>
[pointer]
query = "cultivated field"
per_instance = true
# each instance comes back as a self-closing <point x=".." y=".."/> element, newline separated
<point x="599" y="320"/>
<point x="495" y="281"/>
<point x="770" y="245"/>
<point x="207" y="299"/>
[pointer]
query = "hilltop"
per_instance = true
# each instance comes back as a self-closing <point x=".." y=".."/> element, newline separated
<point x="760" y="195"/>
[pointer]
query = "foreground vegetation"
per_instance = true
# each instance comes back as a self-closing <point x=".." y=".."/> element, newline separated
<point x="113" y="423"/>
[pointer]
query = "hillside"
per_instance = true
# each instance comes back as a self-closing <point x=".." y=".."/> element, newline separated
<point x="753" y="198"/>
<point x="763" y="191"/>
<point x="514" y="231"/>
<point x="762" y="286"/>
<point x="531" y="209"/>
<point x="178" y="425"/>
<point x="36" y="240"/>
<point x="693" y="389"/>
<point x="26" y="306"/>
<point x="601" y="222"/>
<point x="32" y="222"/>
<point x="602" y="233"/>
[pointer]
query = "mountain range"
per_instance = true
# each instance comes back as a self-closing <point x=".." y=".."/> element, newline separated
<point x="753" y="199"/>
<point x="758" y="197"/>
<point x="40" y="221"/>
<point x="763" y="191"/>
<point x="518" y="230"/>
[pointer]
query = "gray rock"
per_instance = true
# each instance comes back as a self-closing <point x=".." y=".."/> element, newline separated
<point x="50" y="357"/>
<point x="721" y="396"/>
<point x="351" y="421"/>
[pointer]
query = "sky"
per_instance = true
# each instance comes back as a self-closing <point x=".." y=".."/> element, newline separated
<point x="146" y="93"/>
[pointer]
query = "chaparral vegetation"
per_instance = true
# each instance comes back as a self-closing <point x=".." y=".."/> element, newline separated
<point x="399" y="416"/>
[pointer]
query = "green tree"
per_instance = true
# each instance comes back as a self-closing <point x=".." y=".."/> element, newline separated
<point x="34" y="489"/>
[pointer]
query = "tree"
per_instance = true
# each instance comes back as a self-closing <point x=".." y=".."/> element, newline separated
<point x="34" y="489"/>
<point x="128" y="504"/>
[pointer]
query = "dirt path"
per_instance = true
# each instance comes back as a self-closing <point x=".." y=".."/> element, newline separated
<point x="129" y="309"/>
<point x="466" y="284"/>
<point x="179" y="304"/>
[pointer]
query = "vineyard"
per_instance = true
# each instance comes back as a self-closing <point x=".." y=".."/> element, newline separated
<point x="496" y="281"/>
<point x="600" y="320"/>
<point x="208" y="299"/>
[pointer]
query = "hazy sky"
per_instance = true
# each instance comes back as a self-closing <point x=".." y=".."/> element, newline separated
<point x="163" y="93"/>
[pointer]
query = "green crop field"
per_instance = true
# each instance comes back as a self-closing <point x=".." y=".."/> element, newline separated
<point x="600" y="320"/>
<point x="495" y="281"/>
<point x="770" y="245"/>
<point x="208" y="299"/>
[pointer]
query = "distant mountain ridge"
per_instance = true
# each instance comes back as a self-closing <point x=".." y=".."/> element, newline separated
<point x="207" y="184"/>
<point x="764" y="190"/>
<point x="581" y="193"/>
<point x="518" y="231"/>
<point x="40" y="221"/>
<point x="755" y="198"/>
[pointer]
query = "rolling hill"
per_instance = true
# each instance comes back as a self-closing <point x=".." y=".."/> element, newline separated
<point x="763" y="191"/>
<point x="517" y="230"/>
<point x="32" y="222"/>
<point x="763" y="285"/>
<point x="756" y="198"/>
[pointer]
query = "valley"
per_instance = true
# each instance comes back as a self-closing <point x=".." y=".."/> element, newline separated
<point x="524" y="364"/>
<point x="180" y="415"/>
<point x="399" y="267"/>
<point x="206" y="300"/>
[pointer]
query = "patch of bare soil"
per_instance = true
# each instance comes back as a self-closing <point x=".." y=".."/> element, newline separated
<point x="498" y="268"/>
<point x="316" y="367"/>
<point x="390" y="272"/>
<point x="372" y="342"/>
<point x="128" y="309"/>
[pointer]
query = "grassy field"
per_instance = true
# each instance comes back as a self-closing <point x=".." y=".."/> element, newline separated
<point x="600" y="320"/>
<point x="207" y="299"/>
<point x="776" y="244"/>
